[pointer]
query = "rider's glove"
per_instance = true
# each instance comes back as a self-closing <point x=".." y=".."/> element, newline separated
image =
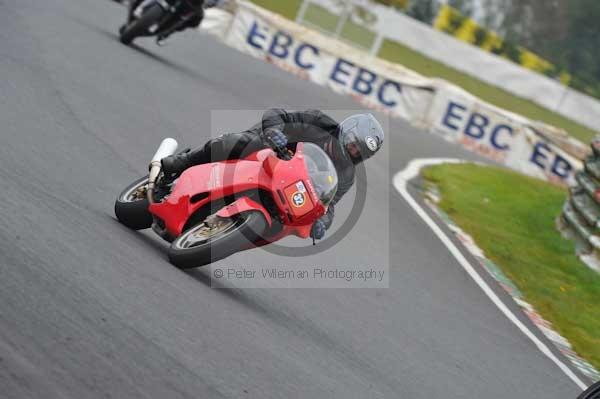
<point x="318" y="230"/>
<point x="276" y="138"/>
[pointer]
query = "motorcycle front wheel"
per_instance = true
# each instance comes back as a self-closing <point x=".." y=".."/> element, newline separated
<point x="140" y="26"/>
<point x="201" y="244"/>
<point x="131" y="206"/>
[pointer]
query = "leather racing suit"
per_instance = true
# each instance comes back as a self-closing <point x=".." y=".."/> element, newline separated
<point x="309" y="126"/>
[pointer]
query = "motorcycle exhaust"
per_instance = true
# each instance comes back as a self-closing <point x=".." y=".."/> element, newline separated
<point x="166" y="148"/>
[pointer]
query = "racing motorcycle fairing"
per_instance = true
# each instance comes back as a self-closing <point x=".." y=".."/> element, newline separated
<point x="288" y="183"/>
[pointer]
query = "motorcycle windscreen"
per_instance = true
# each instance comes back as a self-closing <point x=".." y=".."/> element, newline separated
<point x="321" y="172"/>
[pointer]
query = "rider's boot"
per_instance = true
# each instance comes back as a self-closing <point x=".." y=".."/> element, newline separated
<point x="174" y="165"/>
<point x="161" y="40"/>
<point x="191" y="22"/>
<point x="162" y="37"/>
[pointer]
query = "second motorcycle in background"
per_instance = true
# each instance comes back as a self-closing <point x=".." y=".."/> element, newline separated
<point x="161" y="18"/>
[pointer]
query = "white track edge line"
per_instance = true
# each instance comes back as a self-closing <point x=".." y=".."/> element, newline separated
<point x="400" y="181"/>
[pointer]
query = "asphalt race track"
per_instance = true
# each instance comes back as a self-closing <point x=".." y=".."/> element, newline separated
<point x="89" y="309"/>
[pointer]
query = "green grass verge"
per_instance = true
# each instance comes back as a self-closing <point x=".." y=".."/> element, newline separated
<point x="287" y="8"/>
<point x="511" y="217"/>
<point x="358" y="35"/>
<point x="396" y="52"/>
<point x="321" y="18"/>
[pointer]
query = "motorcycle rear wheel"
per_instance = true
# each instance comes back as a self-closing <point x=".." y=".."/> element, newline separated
<point x="195" y="247"/>
<point x="132" y="209"/>
<point x="139" y="27"/>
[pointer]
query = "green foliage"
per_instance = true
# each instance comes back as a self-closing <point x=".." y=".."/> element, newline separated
<point x="511" y="217"/>
<point x="456" y="21"/>
<point x="423" y="10"/>
<point x="465" y="7"/>
<point x="566" y="32"/>
<point x="510" y="51"/>
<point x="480" y="36"/>
<point x="287" y="8"/>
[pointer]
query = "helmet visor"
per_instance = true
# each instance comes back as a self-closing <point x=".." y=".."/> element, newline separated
<point x="350" y="140"/>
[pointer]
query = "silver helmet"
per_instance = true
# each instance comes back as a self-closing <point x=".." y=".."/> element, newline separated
<point x="361" y="136"/>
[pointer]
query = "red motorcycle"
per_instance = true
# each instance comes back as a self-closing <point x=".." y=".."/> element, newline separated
<point x="215" y="210"/>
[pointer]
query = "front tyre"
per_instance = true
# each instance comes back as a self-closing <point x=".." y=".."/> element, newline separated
<point x="131" y="206"/>
<point x="201" y="244"/>
<point x="140" y="26"/>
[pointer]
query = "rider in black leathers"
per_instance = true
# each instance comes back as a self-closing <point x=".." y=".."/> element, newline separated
<point x="192" y="21"/>
<point x="347" y="143"/>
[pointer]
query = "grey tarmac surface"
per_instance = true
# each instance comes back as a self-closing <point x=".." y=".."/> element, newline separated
<point x="89" y="309"/>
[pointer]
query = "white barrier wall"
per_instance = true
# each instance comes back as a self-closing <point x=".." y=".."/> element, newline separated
<point x="427" y="103"/>
<point x="500" y="135"/>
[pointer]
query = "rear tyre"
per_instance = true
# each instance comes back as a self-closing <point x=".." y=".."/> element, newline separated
<point x="132" y="209"/>
<point x="139" y="27"/>
<point x="197" y="246"/>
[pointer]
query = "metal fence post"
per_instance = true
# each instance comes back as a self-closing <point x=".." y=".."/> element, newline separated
<point x="377" y="44"/>
<point x="302" y="11"/>
<point x="343" y="19"/>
